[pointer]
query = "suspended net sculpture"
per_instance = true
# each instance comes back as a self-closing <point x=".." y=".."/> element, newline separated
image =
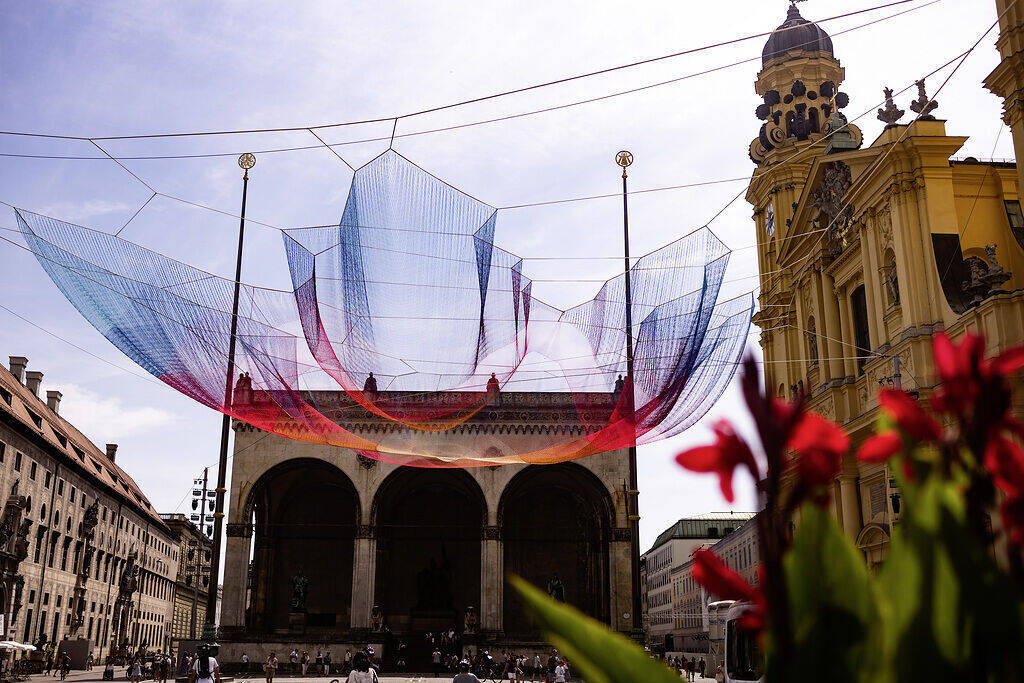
<point x="424" y="324"/>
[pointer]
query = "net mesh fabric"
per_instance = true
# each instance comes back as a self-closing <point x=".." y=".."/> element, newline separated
<point x="411" y="287"/>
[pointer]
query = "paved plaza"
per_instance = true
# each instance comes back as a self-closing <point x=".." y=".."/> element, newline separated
<point x="97" y="673"/>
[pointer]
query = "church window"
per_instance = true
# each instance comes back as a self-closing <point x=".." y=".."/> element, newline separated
<point x="862" y="336"/>
<point x="1016" y="218"/>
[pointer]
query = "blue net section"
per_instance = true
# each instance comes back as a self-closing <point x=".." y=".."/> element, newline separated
<point x="411" y="309"/>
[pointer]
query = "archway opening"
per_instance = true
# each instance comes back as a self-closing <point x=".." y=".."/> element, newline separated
<point x="556" y="525"/>
<point x="306" y="513"/>
<point x="429" y="528"/>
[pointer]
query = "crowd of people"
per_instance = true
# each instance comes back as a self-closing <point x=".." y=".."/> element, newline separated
<point x="690" y="668"/>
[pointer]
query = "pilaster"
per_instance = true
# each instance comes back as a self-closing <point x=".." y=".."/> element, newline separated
<point x="364" y="576"/>
<point x="492" y="583"/>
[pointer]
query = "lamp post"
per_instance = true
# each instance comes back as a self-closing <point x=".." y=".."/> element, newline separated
<point x="625" y="159"/>
<point x="245" y="162"/>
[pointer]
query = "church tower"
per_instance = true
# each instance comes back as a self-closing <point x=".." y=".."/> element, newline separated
<point x="1007" y="79"/>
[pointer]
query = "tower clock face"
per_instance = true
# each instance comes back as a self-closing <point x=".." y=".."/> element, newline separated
<point x="770" y="221"/>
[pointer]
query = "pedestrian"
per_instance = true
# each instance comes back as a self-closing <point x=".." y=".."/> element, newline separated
<point x="304" y="661"/>
<point x="347" y="662"/>
<point x="702" y="666"/>
<point x="165" y="668"/>
<point x="49" y="664"/>
<point x="88" y="662"/>
<point x="435" y="658"/>
<point x="65" y="665"/>
<point x="293" y="661"/>
<point x="561" y="671"/>
<point x="552" y="664"/>
<point x="362" y="672"/>
<point x="270" y="667"/>
<point x="327" y="663"/>
<point x="136" y="670"/>
<point x="245" y="663"/>
<point x="205" y="668"/>
<point x="464" y="676"/>
<point x="319" y="662"/>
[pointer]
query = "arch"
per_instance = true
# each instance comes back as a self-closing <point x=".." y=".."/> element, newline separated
<point x="872" y="541"/>
<point x="556" y="522"/>
<point x="306" y="513"/>
<point x="248" y="506"/>
<point x="429" y="525"/>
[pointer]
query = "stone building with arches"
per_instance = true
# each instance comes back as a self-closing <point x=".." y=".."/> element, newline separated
<point x="866" y="249"/>
<point x="397" y="550"/>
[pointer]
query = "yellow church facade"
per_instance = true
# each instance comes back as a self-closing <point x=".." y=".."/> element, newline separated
<point x="867" y="249"/>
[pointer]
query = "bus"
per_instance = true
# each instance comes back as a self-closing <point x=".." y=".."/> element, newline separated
<point x="744" y="662"/>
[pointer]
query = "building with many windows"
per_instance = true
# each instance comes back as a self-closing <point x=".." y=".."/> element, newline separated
<point x="867" y="249"/>
<point x="671" y="550"/>
<point x="90" y="536"/>
<point x="192" y="587"/>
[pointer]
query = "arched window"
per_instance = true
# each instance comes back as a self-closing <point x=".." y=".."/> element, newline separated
<point x="862" y="335"/>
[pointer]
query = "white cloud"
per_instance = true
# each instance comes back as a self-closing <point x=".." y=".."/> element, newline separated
<point x="108" y="418"/>
<point x="76" y="212"/>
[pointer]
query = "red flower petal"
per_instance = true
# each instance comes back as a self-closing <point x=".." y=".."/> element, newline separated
<point x="1005" y="461"/>
<point x="728" y="453"/>
<point x="880" y="447"/>
<point x="711" y="573"/>
<point x="816" y="433"/>
<point x="909" y="415"/>
<point x="1009" y="361"/>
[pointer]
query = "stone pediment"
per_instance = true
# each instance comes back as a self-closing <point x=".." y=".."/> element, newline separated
<point x="824" y="204"/>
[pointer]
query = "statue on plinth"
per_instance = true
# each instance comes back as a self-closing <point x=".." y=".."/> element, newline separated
<point x="300" y="589"/>
<point x="556" y="589"/>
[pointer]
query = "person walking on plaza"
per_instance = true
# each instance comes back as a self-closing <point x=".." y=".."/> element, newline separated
<point x="293" y="661"/>
<point x="464" y="676"/>
<point x="362" y="672"/>
<point x="136" y="670"/>
<point x="319" y="662"/>
<point x="270" y="667"/>
<point x="347" y="662"/>
<point x="702" y="666"/>
<point x="89" y="662"/>
<point x="304" y="662"/>
<point x="435" y="659"/>
<point x="204" y="668"/>
<point x="245" y="663"/>
<point x="327" y="663"/>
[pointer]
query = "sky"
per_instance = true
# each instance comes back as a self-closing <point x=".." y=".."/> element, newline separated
<point x="115" y="68"/>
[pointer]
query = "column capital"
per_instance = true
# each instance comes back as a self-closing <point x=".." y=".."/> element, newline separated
<point x="491" y="533"/>
<point x="238" y="530"/>
<point x="366" y="531"/>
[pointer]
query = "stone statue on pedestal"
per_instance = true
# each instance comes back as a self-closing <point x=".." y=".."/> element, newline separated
<point x="300" y="589"/>
<point x="556" y="589"/>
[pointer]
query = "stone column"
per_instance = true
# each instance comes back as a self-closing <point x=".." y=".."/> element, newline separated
<point x="492" y="580"/>
<point x="236" y="575"/>
<point x="850" y="501"/>
<point x="833" y="331"/>
<point x="364" y="576"/>
<point x="620" y="583"/>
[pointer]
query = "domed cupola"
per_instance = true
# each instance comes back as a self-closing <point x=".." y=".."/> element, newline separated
<point x="794" y="35"/>
<point x="799" y="86"/>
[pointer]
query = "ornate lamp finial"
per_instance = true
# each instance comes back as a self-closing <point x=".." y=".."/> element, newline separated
<point x="890" y="114"/>
<point x="246" y="161"/>
<point x="624" y="159"/>
<point x="923" y="106"/>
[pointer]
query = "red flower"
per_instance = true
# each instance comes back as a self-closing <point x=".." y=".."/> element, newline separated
<point x="880" y="447"/>
<point x="1005" y="462"/>
<point x="1012" y="512"/>
<point x="819" y="445"/>
<point x="717" y="579"/>
<point x="1008" y="362"/>
<point x="909" y="415"/>
<point x="960" y="370"/>
<point x="728" y="453"/>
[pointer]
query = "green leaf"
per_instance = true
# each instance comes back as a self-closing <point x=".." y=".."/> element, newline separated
<point x="599" y="654"/>
<point x="948" y="612"/>
<point x="832" y="602"/>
